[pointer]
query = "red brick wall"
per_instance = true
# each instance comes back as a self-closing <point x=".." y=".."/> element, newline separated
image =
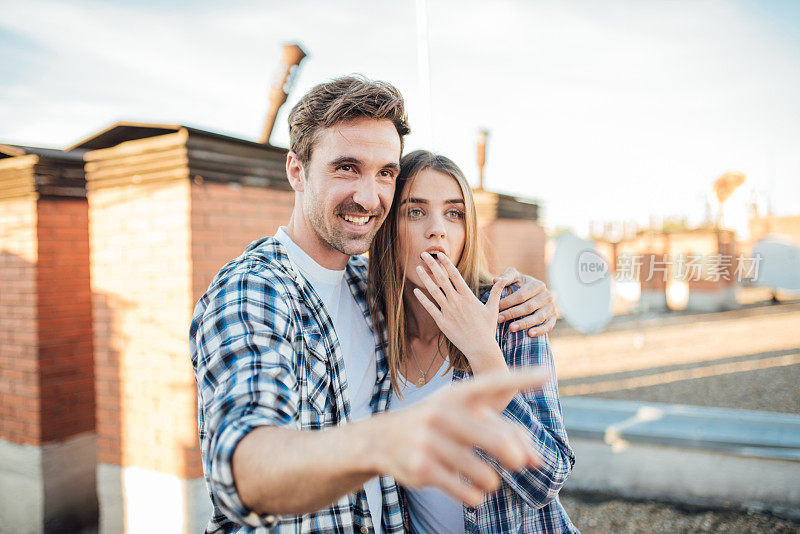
<point x="19" y="357"/>
<point x="227" y="218"/>
<point x="155" y="248"/>
<point x="515" y="243"/>
<point x="141" y="283"/>
<point x="66" y="363"/>
<point x="224" y="220"/>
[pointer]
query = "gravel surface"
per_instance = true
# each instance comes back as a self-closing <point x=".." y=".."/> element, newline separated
<point x="600" y="514"/>
<point x="745" y="359"/>
<point x="774" y="390"/>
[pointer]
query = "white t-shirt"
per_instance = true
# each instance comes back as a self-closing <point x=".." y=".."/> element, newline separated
<point x="432" y="511"/>
<point x="355" y="339"/>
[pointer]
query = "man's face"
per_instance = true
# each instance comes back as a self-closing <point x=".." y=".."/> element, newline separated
<point x="349" y="182"/>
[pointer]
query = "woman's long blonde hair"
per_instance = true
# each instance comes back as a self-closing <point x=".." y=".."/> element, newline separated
<point x="387" y="280"/>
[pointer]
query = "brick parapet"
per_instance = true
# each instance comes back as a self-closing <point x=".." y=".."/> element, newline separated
<point x="141" y="281"/>
<point x="514" y="243"/>
<point x="226" y="218"/>
<point x="20" y="407"/>
<point x="166" y="212"/>
<point x="66" y="371"/>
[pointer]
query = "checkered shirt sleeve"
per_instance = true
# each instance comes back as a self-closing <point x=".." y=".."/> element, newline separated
<point x="539" y="412"/>
<point x="527" y="501"/>
<point x="244" y="365"/>
<point x="265" y="353"/>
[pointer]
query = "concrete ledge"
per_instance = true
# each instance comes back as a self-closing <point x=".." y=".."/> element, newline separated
<point x="70" y="490"/>
<point x="669" y="473"/>
<point x="21" y="488"/>
<point x="49" y="488"/>
<point x="705" y="301"/>
<point x="686" y="453"/>
<point x="653" y="301"/>
<point x="740" y="432"/>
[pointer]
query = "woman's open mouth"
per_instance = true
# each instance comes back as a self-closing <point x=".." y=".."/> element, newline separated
<point x="435" y="252"/>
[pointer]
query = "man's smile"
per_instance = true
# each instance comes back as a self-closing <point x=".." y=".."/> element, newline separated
<point x="360" y="220"/>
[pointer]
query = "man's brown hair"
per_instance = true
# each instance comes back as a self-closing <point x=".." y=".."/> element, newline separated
<point x="340" y="100"/>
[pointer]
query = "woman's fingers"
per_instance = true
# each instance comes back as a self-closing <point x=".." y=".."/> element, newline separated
<point x="439" y="274"/>
<point x="494" y="297"/>
<point x="434" y="290"/>
<point x="429" y="306"/>
<point x="455" y="276"/>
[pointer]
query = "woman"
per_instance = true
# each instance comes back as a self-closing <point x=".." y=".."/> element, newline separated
<point x="425" y="270"/>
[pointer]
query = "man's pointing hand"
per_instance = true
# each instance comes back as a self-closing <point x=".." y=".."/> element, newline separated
<point x="432" y="444"/>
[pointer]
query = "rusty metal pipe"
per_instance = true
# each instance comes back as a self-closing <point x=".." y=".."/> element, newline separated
<point x="293" y="55"/>
<point x="482" y="137"/>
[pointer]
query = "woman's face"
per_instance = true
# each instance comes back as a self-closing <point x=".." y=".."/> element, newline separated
<point x="431" y="218"/>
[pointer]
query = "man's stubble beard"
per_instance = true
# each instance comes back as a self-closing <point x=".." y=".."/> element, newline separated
<point x="330" y="231"/>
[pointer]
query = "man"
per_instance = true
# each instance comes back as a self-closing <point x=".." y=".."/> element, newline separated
<point x="290" y="373"/>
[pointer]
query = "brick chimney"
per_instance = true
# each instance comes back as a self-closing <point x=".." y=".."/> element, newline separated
<point x="47" y="420"/>
<point x="168" y="206"/>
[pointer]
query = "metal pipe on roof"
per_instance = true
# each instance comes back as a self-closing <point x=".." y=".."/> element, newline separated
<point x="483" y="135"/>
<point x="285" y="76"/>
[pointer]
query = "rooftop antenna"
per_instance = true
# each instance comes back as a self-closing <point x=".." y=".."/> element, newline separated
<point x="483" y="135"/>
<point x="424" y="70"/>
<point x="285" y="76"/>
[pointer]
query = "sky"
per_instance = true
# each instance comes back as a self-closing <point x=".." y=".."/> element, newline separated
<point x="601" y="111"/>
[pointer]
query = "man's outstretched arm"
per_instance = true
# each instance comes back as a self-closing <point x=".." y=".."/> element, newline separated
<point x="284" y="471"/>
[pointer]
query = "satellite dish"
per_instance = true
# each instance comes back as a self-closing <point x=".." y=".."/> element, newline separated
<point x="779" y="266"/>
<point x="580" y="278"/>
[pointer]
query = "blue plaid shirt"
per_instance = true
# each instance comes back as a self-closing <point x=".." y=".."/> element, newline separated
<point x="265" y="352"/>
<point x="527" y="501"/>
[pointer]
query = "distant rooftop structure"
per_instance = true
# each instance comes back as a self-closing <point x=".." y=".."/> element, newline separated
<point x="135" y="152"/>
<point x="44" y="171"/>
<point x="122" y="131"/>
<point x="12" y="151"/>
